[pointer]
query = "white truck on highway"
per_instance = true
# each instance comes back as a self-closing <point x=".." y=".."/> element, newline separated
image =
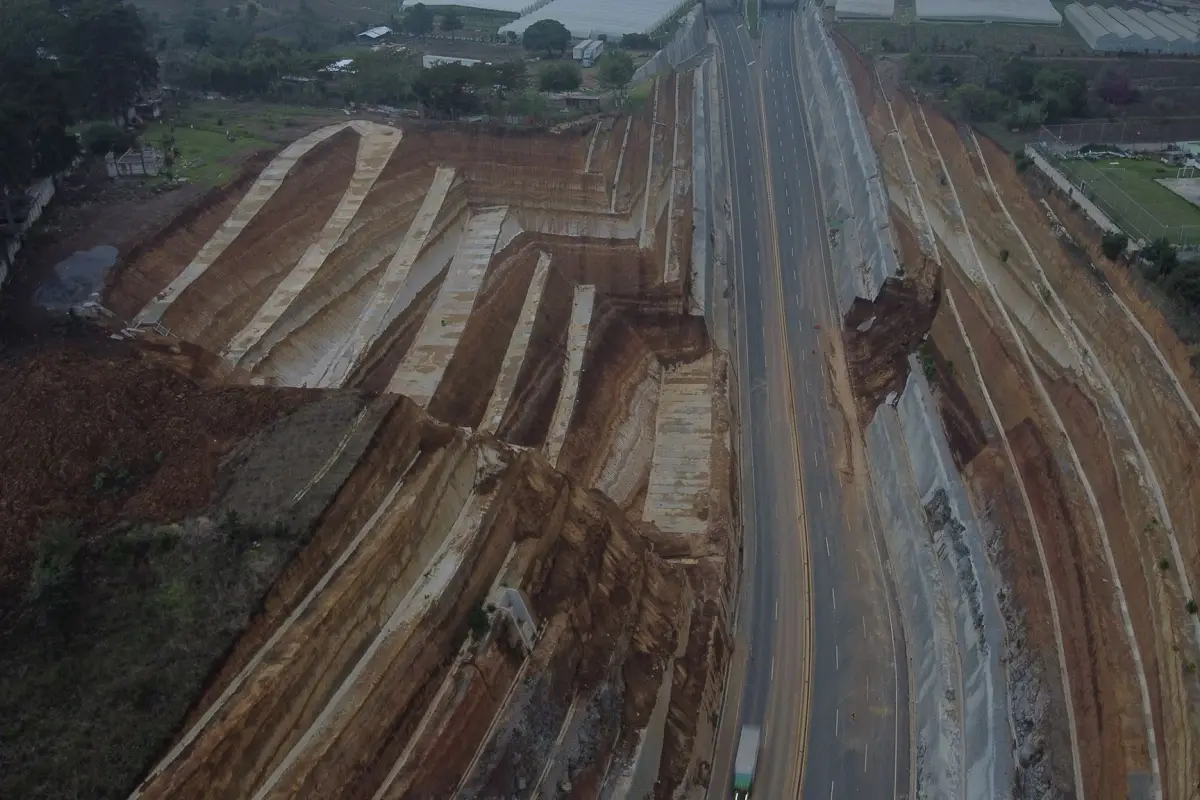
<point x="744" y="762"/>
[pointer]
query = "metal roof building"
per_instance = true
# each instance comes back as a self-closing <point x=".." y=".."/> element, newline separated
<point x="1026" y="12"/>
<point x="511" y="6"/>
<point x="1174" y="42"/>
<point x="587" y="19"/>
<point x="864" y="9"/>
<point x="1115" y="30"/>
<point x="1150" y="41"/>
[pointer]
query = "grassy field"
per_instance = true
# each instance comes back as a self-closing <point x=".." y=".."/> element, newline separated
<point x="208" y="157"/>
<point x="1127" y="189"/>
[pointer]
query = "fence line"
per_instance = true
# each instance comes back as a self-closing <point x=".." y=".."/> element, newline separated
<point x="1138" y="221"/>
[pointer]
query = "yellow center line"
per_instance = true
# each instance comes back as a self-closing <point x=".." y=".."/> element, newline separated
<point x="802" y="521"/>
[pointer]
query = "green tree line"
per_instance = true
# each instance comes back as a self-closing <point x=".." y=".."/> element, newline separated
<point x="61" y="63"/>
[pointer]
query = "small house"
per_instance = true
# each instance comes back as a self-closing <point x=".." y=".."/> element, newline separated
<point x="375" y="34"/>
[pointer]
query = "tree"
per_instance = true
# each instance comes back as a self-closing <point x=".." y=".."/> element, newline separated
<point x="1113" y="244"/>
<point x="1016" y="78"/>
<point x="1063" y="92"/>
<point x="973" y="103"/>
<point x="104" y="49"/>
<point x="917" y="68"/>
<point x="947" y="75"/>
<point x="251" y="12"/>
<point x="447" y="89"/>
<point x="233" y="12"/>
<point x="309" y="27"/>
<point x="451" y="22"/>
<point x="615" y="69"/>
<point x="509" y="76"/>
<point x="383" y="77"/>
<point x="638" y="41"/>
<point x="197" y="31"/>
<point x="1162" y="257"/>
<point x="1027" y="115"/>
<point x="562" y="77"/>
<point x="418" y="20"/>
<point x="1116" y="87"/>
<point x="549" y="35"/>
<point x="531" y="103"/>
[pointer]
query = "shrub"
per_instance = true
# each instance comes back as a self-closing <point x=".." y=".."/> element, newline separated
<point x="478" y="622"/>
<point x="1191" y="606"/>
<point x="1164" y="564"/>
<point x="1113" y="244"/>
<point x="562" y="77"/>
<point x="1004" y="256"/>
<point x="56" y="569"/>
<point x="1022" y="161"/>
<point x="103" y="138"/>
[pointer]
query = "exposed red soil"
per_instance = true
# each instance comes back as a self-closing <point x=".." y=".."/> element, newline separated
<point x="147" y="268"/>
<point x="222" y="300"/>
<point x="479" y="356"/>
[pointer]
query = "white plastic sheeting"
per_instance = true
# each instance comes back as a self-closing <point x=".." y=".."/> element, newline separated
<point x="864" y="9"/>
<point x="1027" y="12"/>
<point x="1115" y="30"/>
<point x="512" y="6"/>
<point x="590" y="18"/>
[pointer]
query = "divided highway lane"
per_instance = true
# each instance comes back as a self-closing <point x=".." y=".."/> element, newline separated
<point x="854" y="744"/>
<point x="775" y="677"/>
<point x="858" y="742"/>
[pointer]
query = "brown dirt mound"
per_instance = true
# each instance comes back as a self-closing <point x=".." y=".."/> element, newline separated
<point x="93" y="435"/>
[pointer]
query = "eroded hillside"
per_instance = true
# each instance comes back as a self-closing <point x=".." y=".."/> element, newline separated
<point x="1074" y="427"/>
<point x="511" y="574"/>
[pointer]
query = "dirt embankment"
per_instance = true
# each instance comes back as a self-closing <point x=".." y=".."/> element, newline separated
<point x="93" y="436"/>
<point x="222" y="300"/>
<point x="1097" y="396"/>
<point x="141" y="534"/>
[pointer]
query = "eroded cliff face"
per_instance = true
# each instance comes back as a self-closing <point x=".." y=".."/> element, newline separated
<point x="391" y="661"/>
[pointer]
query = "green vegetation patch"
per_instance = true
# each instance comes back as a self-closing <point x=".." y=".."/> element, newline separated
<point x="1105" y="180"/>
<point x="213" y="137"/>
<point x="115" y="638"/>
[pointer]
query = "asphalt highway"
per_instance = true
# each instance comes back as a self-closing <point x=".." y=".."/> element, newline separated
<point x="825" y="674"/>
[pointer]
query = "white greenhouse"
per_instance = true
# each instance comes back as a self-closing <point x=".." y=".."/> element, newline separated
<point x="1115" y="30"/>
<point x="1149" y="41"/>
<point x="511" y="6"/>
<point x="864" y="9"/>
<point x="587" y="19"/>
<point x="1175" y="42"/>
<point x="1023" y="12"/>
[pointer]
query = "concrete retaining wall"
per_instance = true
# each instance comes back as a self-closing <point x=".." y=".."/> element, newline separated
<point x="856" y="204"/>
<point x="690" y="40"/>
<point x="953" y="625"/>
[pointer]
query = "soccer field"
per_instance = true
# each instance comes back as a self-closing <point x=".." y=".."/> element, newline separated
<point x="1127" y="190"/>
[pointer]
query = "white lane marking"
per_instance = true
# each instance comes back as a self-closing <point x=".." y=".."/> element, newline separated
<point x="821" y="500"/>
<point x="751" y="64"/>
<point x="864" y="619"/>
<point x="772" y="669"/>
<point x="837" y="657"/>
<point x="837" y="715"/>
<point x="777" y="613"/>
<point x="856" y="575"/>
<point x="834" y="595"/>
<point x="866" y="749"/>
<point x="831" y="790"/>
<point x="827" y="553"/>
